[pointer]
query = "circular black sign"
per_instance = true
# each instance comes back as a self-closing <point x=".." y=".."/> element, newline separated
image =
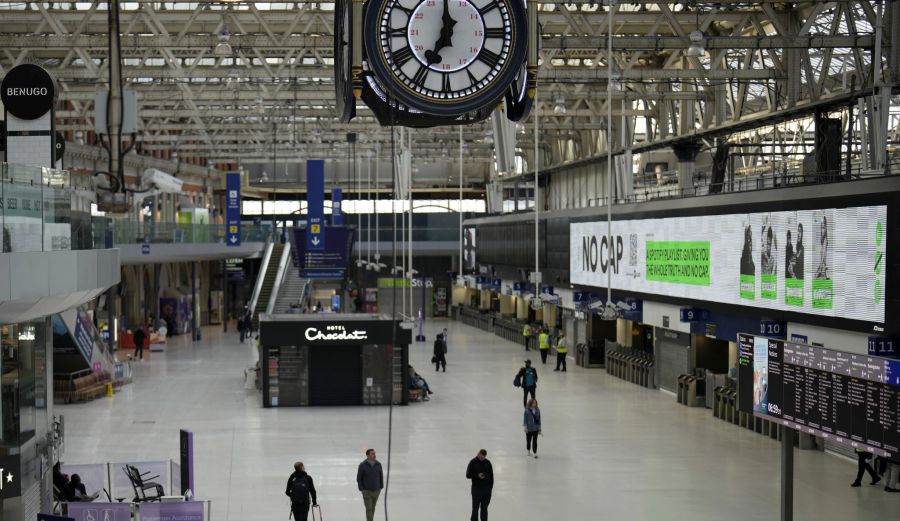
<point x="60" y="146"/>
<point x="28" y="91"/>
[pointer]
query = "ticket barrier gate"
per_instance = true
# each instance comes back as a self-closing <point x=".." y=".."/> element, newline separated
<point x="691" y="390"/>
<point x="635" y="367"/>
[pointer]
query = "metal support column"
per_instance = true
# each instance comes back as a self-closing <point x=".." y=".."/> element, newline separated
<point x="787" y="473"/>
<point x="225" y="298"/>
<point x="110" y="340"/>
<point x="195" y="307"/>
<point x="156" y="292"/>
<point x="114" y="106"/>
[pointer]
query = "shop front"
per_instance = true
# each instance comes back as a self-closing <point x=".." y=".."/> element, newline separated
<point x="333" y="359"/>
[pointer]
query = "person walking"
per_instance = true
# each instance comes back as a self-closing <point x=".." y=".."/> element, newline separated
<point x="248" y="325"/>
<point x="481" y="473"/>
<point x="300" y="488"/>
<point x="241" y="327"/>
<point x="440" y="352"/>
<point x="562" y="349"/>
<point x="526" y="333"/>
<point x="370" y="480"/>
<point x="862" y="466"/>
<point x="532" y="424"/>
<point x="892" y="475"/>
<point x="527" y="377"/>
<point x="139" y="342"/>
<point x="544" y="345"/>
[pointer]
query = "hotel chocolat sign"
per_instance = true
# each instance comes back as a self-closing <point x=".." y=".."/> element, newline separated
<point x="28" y="91"/>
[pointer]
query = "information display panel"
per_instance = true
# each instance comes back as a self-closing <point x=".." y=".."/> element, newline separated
<point x="827" y="262"/>
<point x="843" y="397"/>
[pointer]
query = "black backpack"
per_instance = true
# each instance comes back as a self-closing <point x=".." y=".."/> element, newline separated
<point x="300" y="490"/>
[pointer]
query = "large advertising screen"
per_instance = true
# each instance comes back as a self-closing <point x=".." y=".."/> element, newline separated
<point x="828" y="262"/>
<point x="843" y="397"/>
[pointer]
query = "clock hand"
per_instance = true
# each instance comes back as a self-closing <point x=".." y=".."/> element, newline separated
<point x="446" y="37"/>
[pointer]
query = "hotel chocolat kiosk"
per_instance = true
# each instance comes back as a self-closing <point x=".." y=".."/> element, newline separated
<point x="332" y="359"/>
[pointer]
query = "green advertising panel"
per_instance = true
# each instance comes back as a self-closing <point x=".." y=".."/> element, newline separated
<point x="793" y="292"/>
<point x="680" y="262"/>
<point x="822" y="293"/>
<point x="748" y="287"/>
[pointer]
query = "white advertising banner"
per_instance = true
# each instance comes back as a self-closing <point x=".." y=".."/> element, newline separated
<point x="828" y="262"/>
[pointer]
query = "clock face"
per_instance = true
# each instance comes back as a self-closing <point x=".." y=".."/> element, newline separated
<point x="446" y="56"/>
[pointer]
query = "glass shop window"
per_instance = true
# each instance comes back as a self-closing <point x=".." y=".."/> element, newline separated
<point x="23" y="358"/>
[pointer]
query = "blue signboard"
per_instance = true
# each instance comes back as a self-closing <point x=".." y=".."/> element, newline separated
<point x="892" y="372"/>
<point x="145" y="247"/>
<point x="497" y="283"/>
<point x="881" y="346"/>
<point x="799" y="339"/>
<point x="337" y="212"/>
<point x="547" y="290"/>
<point x="233" y="209"/>
<point x="315" y="200"/>
<point x="331" y="259"/>
<point x="82" y="336"/>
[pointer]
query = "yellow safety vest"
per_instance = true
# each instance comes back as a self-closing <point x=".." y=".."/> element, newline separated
<point x="527" y="331"/>
<point x="562" y="346"/>
<point x="543" y="340"/>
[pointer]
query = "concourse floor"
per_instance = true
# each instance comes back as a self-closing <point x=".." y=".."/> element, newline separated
<point x="611" y="450"/>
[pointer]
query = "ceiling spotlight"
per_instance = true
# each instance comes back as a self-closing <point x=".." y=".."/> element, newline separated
<point x="223" y="48"/>
<point x="696" y="49"/>
<point x="560" y="104"/>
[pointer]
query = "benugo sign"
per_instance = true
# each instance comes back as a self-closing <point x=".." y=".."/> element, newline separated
<point x="28" y="91"/>
<point x="828" y="262"/>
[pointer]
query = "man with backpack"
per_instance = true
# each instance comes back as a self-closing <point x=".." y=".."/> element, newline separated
<point x="527" y="379"/>
<point x="300" y="488"/>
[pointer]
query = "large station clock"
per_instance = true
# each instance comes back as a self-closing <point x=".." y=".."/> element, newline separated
<point x="446" y="57"/>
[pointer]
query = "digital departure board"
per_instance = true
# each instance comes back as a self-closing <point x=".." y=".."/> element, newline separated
<point x="847" y="398"/>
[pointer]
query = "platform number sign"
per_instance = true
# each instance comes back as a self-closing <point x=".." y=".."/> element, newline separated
<point x="774" y="328"/>
<point x="881" y="346"/>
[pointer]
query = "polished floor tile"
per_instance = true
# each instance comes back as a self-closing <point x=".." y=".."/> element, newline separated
<point x="611" y="450"/>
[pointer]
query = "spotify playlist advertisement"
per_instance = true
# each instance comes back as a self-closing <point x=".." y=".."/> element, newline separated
<point x="826" y="262"/>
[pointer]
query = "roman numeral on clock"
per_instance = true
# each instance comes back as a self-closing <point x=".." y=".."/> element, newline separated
<point x="399" y="32"/>
<point x="421" y="74"/>
<point x="494" y="32"/>
<point x="488" y="57"/>
<point x="472" y="79"/>
<point x="403" y="8"/>
<point x="401" y="56"/>
<point x="493" y="4"/>
<point x="445" y="83"/>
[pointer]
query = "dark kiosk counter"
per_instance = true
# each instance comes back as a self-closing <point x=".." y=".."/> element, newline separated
<point x="333" y="359"/>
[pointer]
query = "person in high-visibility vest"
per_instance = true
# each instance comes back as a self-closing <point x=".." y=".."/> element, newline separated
<point x="544" y="345"/>
<point x="562" y="349"/>
<point x="527" y="334"/>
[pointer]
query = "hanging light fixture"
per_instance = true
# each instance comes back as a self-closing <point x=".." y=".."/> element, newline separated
<point x="697" y="48"/>
<point x="559" y="106"/>
<point x="223" y="48"/>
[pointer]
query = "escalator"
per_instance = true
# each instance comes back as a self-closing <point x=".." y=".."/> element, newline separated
<point x="269" y="273"/>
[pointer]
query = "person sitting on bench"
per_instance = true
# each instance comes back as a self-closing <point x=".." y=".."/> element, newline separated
<point x="417" y="382"/>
